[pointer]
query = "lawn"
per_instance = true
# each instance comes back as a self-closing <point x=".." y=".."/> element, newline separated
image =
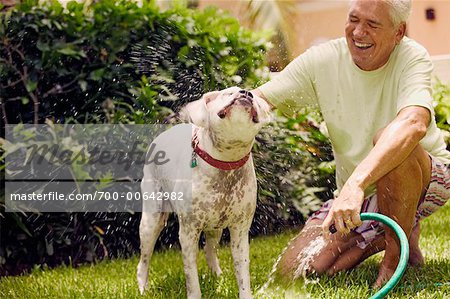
<point x="116" y="278"/>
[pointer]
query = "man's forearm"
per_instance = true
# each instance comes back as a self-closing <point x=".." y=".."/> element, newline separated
<point x="396" y="143"/>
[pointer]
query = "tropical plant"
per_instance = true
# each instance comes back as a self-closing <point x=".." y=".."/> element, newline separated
<point x="275" y="16"/>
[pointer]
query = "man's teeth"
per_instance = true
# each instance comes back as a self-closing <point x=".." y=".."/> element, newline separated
<point x="361" y="45"/>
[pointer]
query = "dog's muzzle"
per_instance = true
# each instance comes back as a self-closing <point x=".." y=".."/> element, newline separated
<point x="246" y="93"/>
<point x="245" y="99"/>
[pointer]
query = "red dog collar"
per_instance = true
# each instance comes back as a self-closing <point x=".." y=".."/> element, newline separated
<point x="223" y="165"/>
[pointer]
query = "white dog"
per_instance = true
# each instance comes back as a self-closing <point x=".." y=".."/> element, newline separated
<point x="223" y="185"/>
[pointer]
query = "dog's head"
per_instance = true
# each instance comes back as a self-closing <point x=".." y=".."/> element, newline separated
<point x="229" y="112"/>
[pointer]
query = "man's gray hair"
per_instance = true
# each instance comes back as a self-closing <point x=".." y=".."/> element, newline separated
<point x="400" y="10"/>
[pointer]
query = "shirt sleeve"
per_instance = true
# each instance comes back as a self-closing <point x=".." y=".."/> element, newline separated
<point x="292" y="88"/>
<point x="415" y="84"/>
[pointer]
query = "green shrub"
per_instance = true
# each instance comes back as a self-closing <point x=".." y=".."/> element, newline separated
<point x="117" y="62"/>
<point x="295" y="170"/>
<point x="441" y="95"/>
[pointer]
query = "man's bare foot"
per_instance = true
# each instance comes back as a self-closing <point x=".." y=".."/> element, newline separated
<point x="389" y="263"/>
<point x="383" y="276"/>
<point x="416" y="258"/>
<point x="415" y="255"/>
<point x="385" y="273"/>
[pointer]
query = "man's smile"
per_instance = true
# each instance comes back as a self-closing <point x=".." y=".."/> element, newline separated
<point x="362" y="46"/>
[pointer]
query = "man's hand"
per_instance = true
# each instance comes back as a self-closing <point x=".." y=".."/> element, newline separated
<point x="258" y="93"/>
<point x="345" y="210"/>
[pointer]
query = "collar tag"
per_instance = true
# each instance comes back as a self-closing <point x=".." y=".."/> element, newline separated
<point x="194" y="160"/>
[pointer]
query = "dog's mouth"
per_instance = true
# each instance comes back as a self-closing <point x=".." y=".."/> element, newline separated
<point x="244" y="101"/>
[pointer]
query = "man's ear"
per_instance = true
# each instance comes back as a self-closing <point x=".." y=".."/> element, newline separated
<point x="401" y="31"/>
<point x="196" y="112"/>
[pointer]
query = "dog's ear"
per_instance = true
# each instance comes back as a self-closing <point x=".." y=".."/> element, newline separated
<point x="209" y="96"/>
<point x="196" y="112"/>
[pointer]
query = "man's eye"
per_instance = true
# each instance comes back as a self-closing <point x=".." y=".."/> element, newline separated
<point x="373" y="26"/>
<point x="353" y="20"/>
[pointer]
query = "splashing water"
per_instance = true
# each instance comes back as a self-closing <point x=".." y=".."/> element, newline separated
<point x="303" y="260"/>
<point x="263" y="290"/>
<point x="306" y="256"/>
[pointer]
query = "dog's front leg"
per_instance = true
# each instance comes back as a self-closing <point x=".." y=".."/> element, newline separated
<point x="189" y="237"/>
<point x="240" y="252"/>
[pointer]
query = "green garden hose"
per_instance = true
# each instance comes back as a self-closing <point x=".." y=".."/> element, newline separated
<point x="404" y="252"/>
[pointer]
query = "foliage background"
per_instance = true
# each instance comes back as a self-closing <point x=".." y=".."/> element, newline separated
<point x="441" y="97"/>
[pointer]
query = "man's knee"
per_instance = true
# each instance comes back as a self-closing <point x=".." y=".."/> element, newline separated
<point x="417" y="164"/>
<point x="415" y="168"/>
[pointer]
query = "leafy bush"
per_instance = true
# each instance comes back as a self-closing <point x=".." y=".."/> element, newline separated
<point x="295" y="170"/>
<point x="115" y="62"/>
<point x="441" y="97"/>
<point x="88" y="63"/>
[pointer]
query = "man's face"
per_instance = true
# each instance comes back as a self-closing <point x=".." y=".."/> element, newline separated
<point x="371" y="35"/>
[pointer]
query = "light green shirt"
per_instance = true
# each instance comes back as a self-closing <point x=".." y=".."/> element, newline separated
<point x="355" y="104"/>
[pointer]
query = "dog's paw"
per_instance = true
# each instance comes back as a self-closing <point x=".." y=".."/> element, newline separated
<point x="142" y="286"/>
<point x="142" y="278"/>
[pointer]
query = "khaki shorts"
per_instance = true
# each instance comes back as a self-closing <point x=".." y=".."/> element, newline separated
<point x="438" y="193"/>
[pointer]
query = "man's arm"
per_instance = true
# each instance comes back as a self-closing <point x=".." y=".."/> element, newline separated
<point x="395" y="144"/>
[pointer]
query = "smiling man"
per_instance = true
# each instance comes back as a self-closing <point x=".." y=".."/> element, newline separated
<point x="373" y="88"/>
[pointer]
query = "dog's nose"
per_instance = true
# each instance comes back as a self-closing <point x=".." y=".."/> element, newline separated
<point x="246" y="93"/>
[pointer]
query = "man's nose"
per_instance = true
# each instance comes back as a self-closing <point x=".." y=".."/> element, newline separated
<point x="359" y="31"/>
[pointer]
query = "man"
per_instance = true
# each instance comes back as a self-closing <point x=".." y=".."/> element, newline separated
<point x="374" y="91"/>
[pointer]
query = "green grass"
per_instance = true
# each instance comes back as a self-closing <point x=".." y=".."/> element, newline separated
<point x="116" y="278"/>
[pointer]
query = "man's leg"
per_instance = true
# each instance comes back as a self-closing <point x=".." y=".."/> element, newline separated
<point x="398" y="194"/>
<point x="415" y="255"/>
<point x="355" y="255"/>
<point x="324" y="258"/>
<point x="340" y="254"/>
